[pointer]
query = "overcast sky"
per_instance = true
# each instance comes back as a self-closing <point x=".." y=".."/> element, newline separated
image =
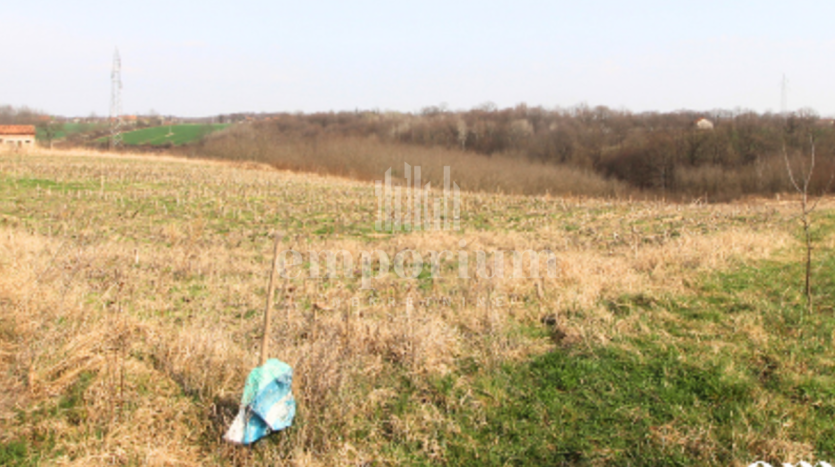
<point x="210" y="57"/>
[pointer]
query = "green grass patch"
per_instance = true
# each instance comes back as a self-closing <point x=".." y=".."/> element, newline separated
<point x="605" y="406"/>
<point x="168" y="135"/>
<point x="68" y="129"/>
<point x="15" y="454"/>
<point x="703" y="387"/>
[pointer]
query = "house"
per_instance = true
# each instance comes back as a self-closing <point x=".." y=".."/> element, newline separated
<point x="704" y="124"/>
<point x="17" y="137"/>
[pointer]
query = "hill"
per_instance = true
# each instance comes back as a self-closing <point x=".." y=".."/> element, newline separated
<point x="518" y="149"/>
<point x="71" y="128"/>
<point x="175" y="135"/>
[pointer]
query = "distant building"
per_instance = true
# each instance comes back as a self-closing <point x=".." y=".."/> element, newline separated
<point x="17" y="137"/>
<point x="704" y="124"/>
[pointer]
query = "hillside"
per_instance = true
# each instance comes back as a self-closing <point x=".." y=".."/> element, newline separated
<point x="174" y="135"/>
<point x="70" y="128"/>
<point x="132" y="291"/>
<point x="739" y="153"/>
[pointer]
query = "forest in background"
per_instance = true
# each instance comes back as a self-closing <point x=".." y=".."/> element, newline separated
<point x="530" y="150"/>
<point x="582" y="150"/>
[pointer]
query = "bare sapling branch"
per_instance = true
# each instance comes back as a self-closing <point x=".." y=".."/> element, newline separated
<point x="806" y="210"/>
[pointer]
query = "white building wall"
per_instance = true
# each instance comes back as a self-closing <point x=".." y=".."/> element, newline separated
<point x="17" y="142"/>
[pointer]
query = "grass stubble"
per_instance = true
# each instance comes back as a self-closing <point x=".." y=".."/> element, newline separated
<point x="131" y="289"/>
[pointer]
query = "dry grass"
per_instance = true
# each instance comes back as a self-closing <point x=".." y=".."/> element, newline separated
<point x="131" y="290"/>
<point x="367" y="158"/>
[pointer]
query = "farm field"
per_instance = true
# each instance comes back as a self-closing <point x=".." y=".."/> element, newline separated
<point x="169" y="134"/>
<point x="70" y="128"/>
<point x="131" y="301"/>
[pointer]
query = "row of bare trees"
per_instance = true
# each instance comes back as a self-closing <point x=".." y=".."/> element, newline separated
<point x="19" y="115"/>
<point x="658" y="152"/>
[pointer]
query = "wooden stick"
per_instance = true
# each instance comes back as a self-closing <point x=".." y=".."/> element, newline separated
<point x="265" y="340"/>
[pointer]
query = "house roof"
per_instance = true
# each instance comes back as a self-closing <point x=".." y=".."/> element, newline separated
<point x="13" y="130"/>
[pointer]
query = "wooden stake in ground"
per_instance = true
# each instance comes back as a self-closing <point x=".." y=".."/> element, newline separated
<point x="267" y="404"/>
<point x="265" y="340"/>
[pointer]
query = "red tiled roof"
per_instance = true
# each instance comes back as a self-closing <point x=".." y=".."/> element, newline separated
<point x="22" y="130"/>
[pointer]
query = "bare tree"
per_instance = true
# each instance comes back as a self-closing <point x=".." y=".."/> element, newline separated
<point x="50" y="130"/>
<point x="806" y="208"/>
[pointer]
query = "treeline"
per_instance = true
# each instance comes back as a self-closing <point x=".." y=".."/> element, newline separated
<point x="531" y="150"/>
<point x="660" y="153"/>
<point x="20" y="115"/>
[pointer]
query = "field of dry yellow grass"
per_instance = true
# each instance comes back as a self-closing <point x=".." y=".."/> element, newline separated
<point x="132" y="291"/>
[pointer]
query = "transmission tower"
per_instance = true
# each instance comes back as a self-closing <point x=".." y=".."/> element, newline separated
<point x="116" y="102"/>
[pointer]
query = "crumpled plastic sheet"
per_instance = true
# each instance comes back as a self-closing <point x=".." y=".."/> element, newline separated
<point x="267" y="404"/>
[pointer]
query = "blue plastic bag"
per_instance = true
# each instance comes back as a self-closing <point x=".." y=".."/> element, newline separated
<point x="267" y="404"/>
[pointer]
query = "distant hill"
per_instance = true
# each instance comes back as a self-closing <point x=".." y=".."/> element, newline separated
<point x="169" y="134"/>
<point x="71" y="128"/>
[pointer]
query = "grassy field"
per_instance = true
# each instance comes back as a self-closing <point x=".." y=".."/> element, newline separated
<point x="132" y="288"/>
<point x="70" y="128"/>
<point x="169" y="134"/>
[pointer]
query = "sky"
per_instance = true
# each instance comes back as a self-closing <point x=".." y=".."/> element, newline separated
<point x="210" y="57"/>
